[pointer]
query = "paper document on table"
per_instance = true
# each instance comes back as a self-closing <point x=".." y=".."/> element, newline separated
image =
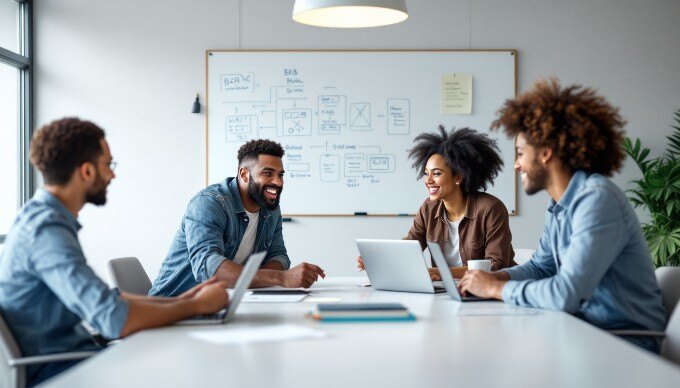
<point x="271" y="333"/>
<point x="279" y="289"/>
<point x="272" y="298"/>
<point x="492" y="312"/>
<point x="456" y="98"/>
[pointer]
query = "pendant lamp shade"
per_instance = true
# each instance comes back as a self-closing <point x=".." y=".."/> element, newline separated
<point x="349" y="13"/>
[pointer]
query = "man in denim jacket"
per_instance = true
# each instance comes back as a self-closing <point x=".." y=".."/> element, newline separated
<point x="592" y="260"/>
<point x="226" y="222"/>
<point x="46" y="286"/>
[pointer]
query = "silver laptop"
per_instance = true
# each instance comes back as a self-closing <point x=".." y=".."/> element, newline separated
<point x="241" y="287"/>
<point x="396" y="265"/>
<point x="447" y="278"/>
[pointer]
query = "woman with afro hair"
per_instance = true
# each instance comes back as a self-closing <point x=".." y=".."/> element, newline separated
<point x="466" y="222"/>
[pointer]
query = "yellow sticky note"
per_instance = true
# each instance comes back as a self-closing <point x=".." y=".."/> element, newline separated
<point x="456" y="96"/>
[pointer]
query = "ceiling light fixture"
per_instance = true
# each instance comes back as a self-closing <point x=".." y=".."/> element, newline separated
<point x="349" y="13"/>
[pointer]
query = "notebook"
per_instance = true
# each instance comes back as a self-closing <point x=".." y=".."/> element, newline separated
<point x="362" y="312"/>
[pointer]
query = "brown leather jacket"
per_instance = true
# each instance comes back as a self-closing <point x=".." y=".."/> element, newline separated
<point x="484" y="231"/>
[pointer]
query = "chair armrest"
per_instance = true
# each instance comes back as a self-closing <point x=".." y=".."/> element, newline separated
<point x="637" y="333"/>
<point x="50" y="358"/>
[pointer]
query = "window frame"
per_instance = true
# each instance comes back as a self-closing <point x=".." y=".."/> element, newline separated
<point x="23" y="62"/>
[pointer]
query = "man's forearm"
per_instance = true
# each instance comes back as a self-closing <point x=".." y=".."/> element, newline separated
<point x="145" y="314"/>
<point x="502" y="277"/>
<point x="270" y="274"/>
<point x="273" y="265"/>
<point x="144" y="298"/>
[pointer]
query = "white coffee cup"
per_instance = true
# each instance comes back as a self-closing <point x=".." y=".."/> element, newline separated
<point x="479" y="264"/>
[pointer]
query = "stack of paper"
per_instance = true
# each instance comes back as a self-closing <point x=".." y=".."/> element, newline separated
<point x="276" y="295"/>
<point x="257" y="334"/>
<point x="362" y="312"/>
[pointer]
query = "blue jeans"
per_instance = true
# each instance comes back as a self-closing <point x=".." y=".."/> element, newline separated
<point x="50" y="370"/>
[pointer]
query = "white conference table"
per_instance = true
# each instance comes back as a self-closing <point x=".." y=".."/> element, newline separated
<point x="447" y="346"/>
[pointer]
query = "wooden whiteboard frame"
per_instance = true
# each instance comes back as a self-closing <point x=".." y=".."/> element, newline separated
<point x="208" y="52"/>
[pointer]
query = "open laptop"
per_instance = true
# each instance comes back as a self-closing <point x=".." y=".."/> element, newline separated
<point x="447" y="278"/>
<point x="396" y="265"/>
<point x="241" y="287"/>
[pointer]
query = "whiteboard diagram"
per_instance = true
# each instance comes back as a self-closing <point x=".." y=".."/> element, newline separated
<point x="347" y="120"/>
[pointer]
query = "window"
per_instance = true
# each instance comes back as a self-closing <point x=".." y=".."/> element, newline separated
<point x="9" y="144"/>
<point x="9" y="25"/>
<point x="15" y="108"/>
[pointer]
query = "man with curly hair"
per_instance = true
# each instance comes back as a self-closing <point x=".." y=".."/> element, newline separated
<point x="592" y="259"/>
<point x="226" y="222"/>
<point x="46" y="287"/>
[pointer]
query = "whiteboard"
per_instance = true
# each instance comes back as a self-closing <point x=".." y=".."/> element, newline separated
<point x="347" y="119"/>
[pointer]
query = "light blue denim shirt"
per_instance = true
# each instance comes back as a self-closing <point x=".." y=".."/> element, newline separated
<point x="47" y="288"/>
<point x="592" y="261"/>
<point x="211" y="232"/>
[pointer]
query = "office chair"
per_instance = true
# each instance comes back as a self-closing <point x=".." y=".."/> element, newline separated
<point x="13" y="365"/>
<point x="669" y="282"/>
<point x="128" y="275"/>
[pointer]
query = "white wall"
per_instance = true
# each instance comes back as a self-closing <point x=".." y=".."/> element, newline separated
<point x="133" y="66"/>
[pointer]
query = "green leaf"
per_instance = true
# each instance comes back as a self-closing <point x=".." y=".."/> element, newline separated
<point x="626" y="144"/>
<point x="644" y="154"/>
<point x="658" y="191"/>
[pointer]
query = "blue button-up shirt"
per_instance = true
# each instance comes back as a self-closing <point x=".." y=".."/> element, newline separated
<point x="211" y="232"/>
<point x="592" y="261"/>
<point x="47" y="288"/>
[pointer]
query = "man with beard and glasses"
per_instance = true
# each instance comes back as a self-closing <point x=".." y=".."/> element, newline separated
<point x="226" y="222"/>
<point x="46" y="287"/>
<point x="592" y="259"/>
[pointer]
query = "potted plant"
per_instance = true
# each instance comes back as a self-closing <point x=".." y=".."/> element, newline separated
<point x="659" y="192"/>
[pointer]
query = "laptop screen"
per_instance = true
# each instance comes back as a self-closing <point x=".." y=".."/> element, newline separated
<point x="243" y="282"/>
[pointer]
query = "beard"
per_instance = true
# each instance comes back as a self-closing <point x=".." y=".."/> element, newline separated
<point x="256" y="193"/>
<point x="536" y="178"/>
<point x="97" y="195"/>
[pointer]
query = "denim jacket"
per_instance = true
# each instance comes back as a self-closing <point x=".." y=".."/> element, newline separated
<point x="47" y="288"/>
<point x="211" y="231"/>
<point x="592" y="261"/>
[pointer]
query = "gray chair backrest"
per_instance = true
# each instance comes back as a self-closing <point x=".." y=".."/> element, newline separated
<point x="9" y="350"/>
<point x="129" y="276"/>
<point x="670" y="348"/>
<point x="669" y="283"/>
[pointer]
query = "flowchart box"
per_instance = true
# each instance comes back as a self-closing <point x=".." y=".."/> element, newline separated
<point x="241" y="128"/>
<point x="297" y="122"/>
<point x="398" y="116"/>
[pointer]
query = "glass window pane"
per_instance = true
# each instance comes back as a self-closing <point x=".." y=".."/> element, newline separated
<point x="9" y="25"/>
<point x="9" y="146"/>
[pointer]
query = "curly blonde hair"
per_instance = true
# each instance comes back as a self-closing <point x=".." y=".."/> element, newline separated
<point x="582" y="128"/>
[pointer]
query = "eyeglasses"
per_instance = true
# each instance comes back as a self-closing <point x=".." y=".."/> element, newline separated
<point x="112" y="165"/>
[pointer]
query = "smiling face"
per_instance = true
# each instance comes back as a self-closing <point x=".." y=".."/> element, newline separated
<point x="533" y="173"/>
<point x="265" y="183"/>
<point x="439" y="179"/>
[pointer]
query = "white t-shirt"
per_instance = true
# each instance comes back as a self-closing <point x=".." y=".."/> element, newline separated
<point x="452" y="248"/>
<point x="248" y="243"/>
